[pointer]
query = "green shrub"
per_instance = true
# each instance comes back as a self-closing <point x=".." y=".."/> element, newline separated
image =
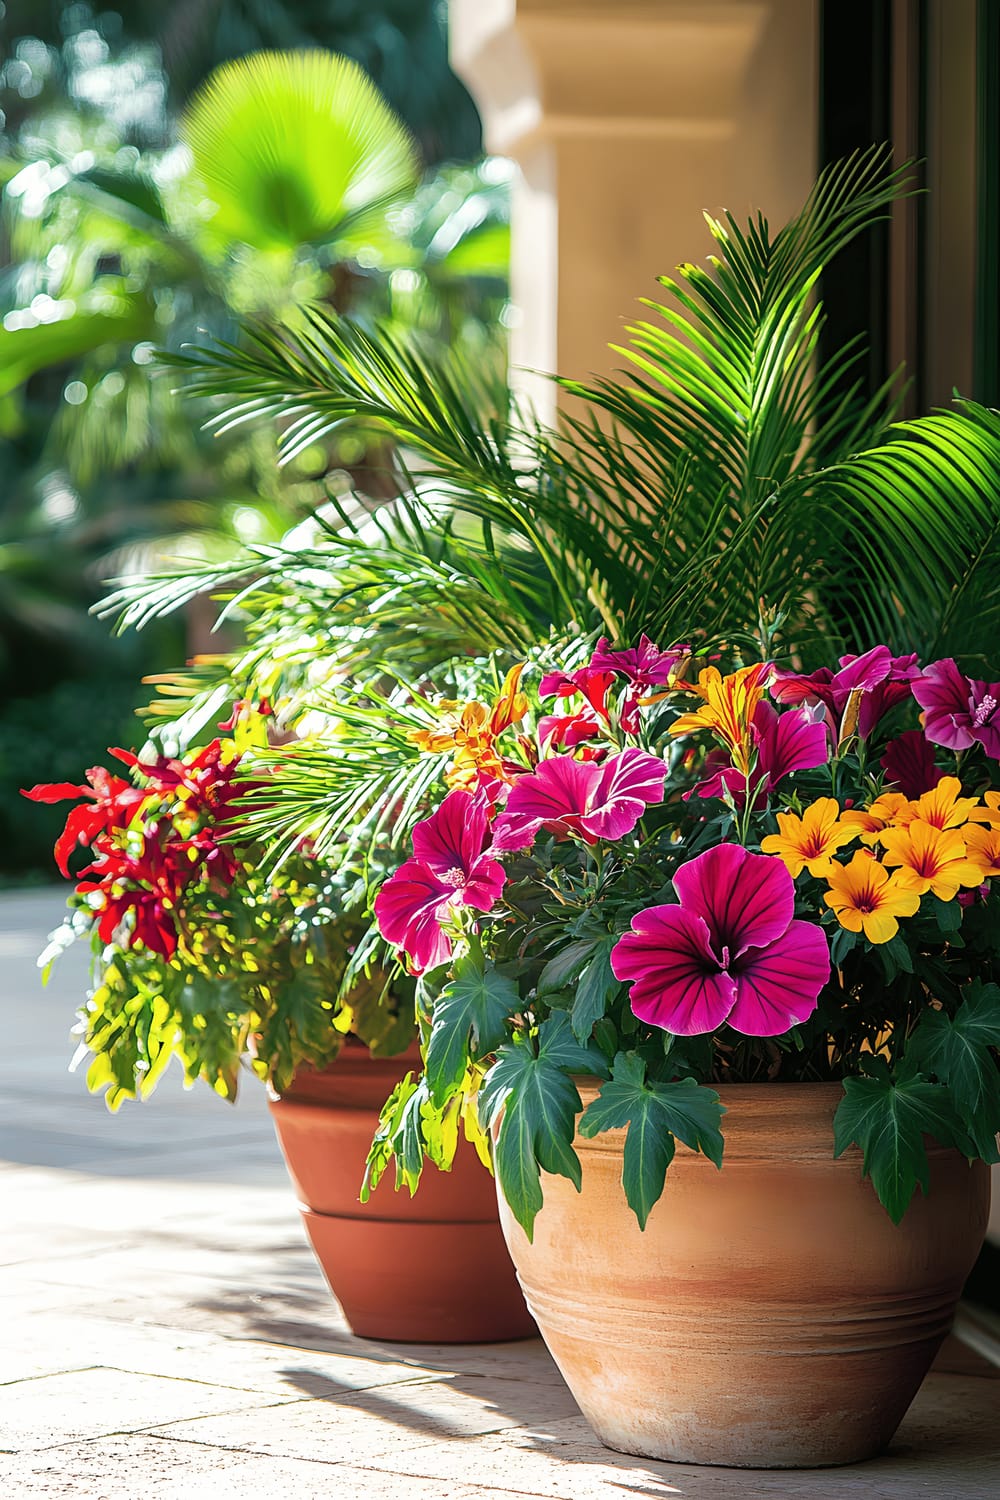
<point x="54" y="737"/>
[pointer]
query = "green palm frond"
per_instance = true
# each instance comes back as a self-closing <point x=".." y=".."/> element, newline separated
<point x="724" y="474"/>
<point x="427" y="591"/>
<point x="298" y="148"/>
<point x="919" y="521"/>
<point x="686" y="480"/>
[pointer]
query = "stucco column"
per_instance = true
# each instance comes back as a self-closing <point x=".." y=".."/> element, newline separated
<point x="628" y="118"/>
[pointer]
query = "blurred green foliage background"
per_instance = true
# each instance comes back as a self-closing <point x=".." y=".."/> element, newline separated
<point x="106" y="256"/>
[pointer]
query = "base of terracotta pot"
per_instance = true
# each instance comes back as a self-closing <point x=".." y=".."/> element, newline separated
<point x="404" y="1282"/>
<point x="748" y="1434"/>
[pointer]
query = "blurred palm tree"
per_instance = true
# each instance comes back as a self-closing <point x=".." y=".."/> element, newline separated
<point x="116" y="237"/>
<point x="401" y="44"/>
<point x="116" y="246"/>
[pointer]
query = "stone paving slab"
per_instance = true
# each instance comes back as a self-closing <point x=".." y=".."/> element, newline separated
<point x="165" y="1332"/>
<point x="136" y="1468"/>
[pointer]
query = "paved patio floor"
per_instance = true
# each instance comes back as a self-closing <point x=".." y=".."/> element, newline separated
<point x="164" y="1331"/>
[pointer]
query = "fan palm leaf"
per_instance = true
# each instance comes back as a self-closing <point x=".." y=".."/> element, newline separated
<point x="298" y="148"/>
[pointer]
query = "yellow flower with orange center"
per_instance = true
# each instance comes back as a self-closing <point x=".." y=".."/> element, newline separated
<point x="990" y="813"/>
<point x="882" y="813"/>
<point x="729" y="706"/>
<point x="983" y="845"/>
<point x="941" y="807"/>
<point x="932" y="859"/>
<point x="866" y="898"/>
<point x="811" y="841"/>
<point x="472" y="733"/>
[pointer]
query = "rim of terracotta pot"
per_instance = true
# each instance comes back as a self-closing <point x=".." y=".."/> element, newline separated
<point x="758" y="1117"/>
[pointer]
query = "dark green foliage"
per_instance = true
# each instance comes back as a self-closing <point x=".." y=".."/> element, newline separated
<point x="53" y="737"/>
<point x="529" y="1095"/>
<point x="655" y="1114"/>
<point x="888" y="1119"/>
<point x="470" y="1018"/>
<point x="960" y="1051"/>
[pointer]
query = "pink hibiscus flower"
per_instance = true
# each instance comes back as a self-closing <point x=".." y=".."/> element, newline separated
<point x="644" y="666"/>
<point x="453" y="866"/>
<point x="793" y="741"/>
<point x="730" y="951"/>
<point x="959" y="711"/>
<point x="594" y="800"/>
<point x="883" y="679"/>
<point x="894" y="688"/>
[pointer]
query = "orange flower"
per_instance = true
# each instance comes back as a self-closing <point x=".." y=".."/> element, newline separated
<point x="730" y="703"/>
<point x="870" y="821"/>
<point x="810" y="841"/>
<point x="868" y="899"/>
<point x="990" y="813"/>
<point x="931" y="859"/>
<point x="473" y="732"/>
<point x="983" y="845"/>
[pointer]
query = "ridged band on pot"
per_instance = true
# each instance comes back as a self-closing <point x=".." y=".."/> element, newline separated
<point x="428" y="1269"/>
<point x="770" y="1315"/>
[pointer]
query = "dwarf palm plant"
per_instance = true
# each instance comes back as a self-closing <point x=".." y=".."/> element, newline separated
<point x="722" y="487"/>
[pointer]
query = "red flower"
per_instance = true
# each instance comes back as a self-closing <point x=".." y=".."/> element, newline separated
<point x="151" y="843"/>
<point x="591" y="685"/>
<point x="113" y="804"/>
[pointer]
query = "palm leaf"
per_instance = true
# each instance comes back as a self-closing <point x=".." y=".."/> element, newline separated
<point x="720" y="476"/>
<point x="298" y="148"/>
<point x="683" y="489"/>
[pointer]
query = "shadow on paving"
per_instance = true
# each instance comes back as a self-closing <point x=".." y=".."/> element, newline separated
<point x="950" y="1428"/>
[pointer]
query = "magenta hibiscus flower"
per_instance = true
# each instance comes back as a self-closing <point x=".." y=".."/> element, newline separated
<point x="730" y="951"/>
<point x="959" y="711"/>
<point x="793" y="741"/>
<point x="595" y="800"/>
<point x="644" y="666"/>
<point x="883" y="679"/>
<point x="452" y="867"/>
<point x="894" y="688"/>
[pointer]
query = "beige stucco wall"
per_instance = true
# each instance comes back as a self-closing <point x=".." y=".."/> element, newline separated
<point x="628" y="119"/>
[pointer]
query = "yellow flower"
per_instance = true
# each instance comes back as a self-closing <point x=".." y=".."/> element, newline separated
<point x="868" y="899"/>
<point x="809" y="841"/>
<point x="941" y="807"/>
<point x="730" y="704"/>
<point x="932" y="859"/>
<point x="473" y="732"/>
<point x="983" y="845"/>
<point x="869" y="821"/>
<point x="990" y="813"/>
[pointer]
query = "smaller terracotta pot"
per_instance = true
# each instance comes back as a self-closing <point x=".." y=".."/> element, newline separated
<point x="428" y="1269"/>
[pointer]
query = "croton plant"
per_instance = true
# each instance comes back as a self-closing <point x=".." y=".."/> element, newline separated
<point x="672" y="874"/>
<point x="199" y="951"/>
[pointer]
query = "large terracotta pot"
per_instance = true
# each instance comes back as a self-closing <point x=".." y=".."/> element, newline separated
<point x="427" y="1269"/>
<point x="770" y="1315"/>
